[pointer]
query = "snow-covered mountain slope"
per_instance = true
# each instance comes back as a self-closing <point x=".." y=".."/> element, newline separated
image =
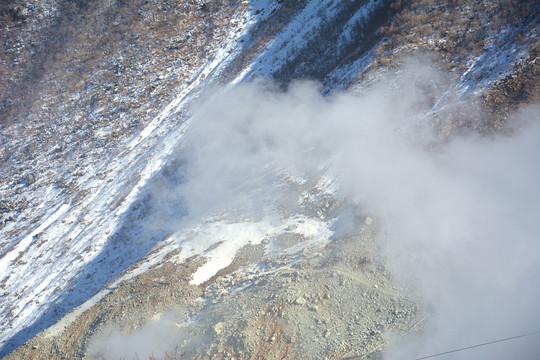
<point x="83" y="242"/>
<point x="71" y="248"/>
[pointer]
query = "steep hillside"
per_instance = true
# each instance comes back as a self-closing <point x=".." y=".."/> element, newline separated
<point x="142" y="196"/>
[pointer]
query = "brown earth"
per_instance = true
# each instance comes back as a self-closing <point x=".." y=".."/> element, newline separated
<point x="336" y="301"/>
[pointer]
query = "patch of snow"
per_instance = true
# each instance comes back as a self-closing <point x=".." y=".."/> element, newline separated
<point x="495" y="63"/>
<point x="310" y="228"/>
<point x="232" y="237"/>
<point x="294" y="36"/>
<point x="24" y="244"/>
<point x="358" y="19"/>
<point x="74" y="256"/>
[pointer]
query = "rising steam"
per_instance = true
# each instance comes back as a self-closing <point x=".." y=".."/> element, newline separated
<point x="462" y="215"/>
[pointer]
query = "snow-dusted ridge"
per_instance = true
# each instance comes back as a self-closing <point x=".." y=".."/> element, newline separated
<point x="74" y="251"/>
<point x="297" y="34"/>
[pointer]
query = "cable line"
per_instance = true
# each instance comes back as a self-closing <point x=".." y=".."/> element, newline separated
<point x="475" y="346"/>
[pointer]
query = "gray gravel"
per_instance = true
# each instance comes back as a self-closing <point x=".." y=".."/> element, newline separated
<point x="336" y="301"/>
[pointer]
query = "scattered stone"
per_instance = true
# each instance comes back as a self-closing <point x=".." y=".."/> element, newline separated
<point x="218" y="328"/>
<point x="30" y="179"/>
<point x="300" y="301"/>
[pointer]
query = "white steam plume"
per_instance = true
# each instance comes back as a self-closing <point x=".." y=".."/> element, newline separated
<point x="463" y="217"/>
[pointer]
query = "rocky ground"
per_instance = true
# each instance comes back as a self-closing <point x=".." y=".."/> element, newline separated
<point x="333" y="301"/>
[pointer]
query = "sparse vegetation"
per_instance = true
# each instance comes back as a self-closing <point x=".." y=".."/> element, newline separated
<point x="453" y="35"/>
<point x="79" y="78"/>
<point x="456" y="29"/>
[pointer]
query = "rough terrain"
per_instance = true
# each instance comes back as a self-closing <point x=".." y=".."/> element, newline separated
<point x="95" y="97"/>
<point x="335" y="301"/>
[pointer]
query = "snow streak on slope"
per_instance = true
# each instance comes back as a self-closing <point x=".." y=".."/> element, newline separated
<point x="339" y="24"/>
<point x="86" y="242"/>
<point x="232" y="236"/>
<point x="496" y="62"/>
<point x="293" y="37"/>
